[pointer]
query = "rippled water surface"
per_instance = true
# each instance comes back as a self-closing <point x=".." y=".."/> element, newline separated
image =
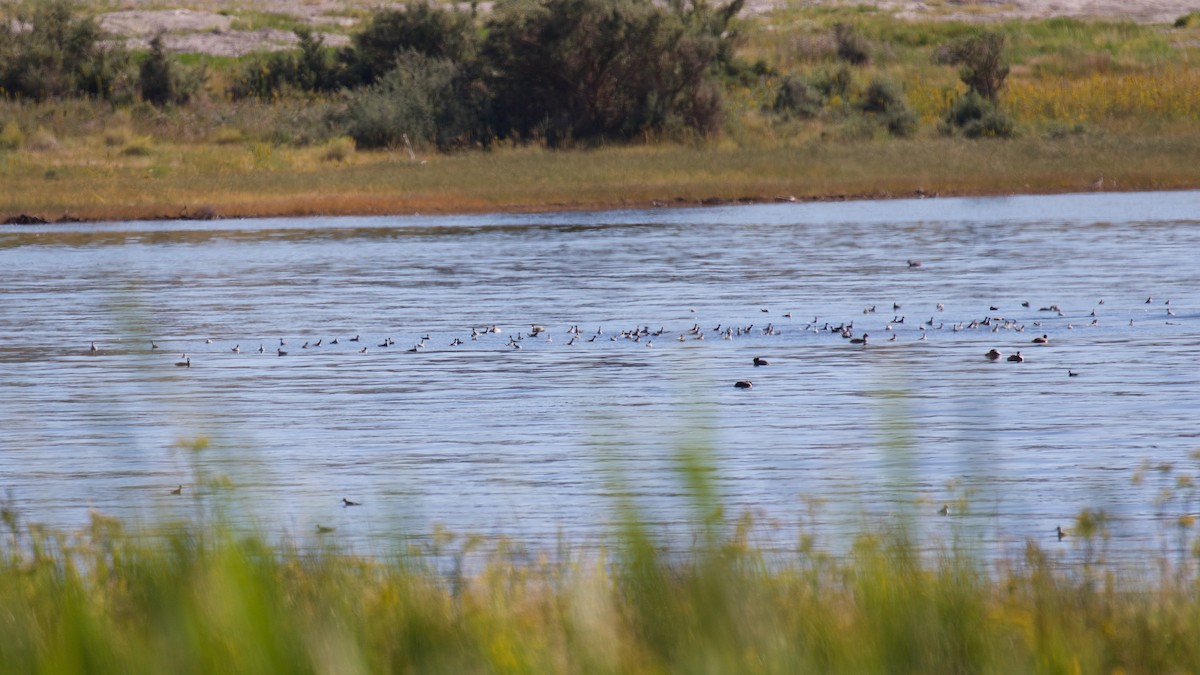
<point x="545" y="441"/>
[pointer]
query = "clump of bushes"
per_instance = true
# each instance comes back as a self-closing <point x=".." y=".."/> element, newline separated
<point x="852" y="47"/>
<point x="162" y="82"/>
<point x="976" y="117"/>
<point x="884" y="100"/>
<point x="982" y="64"/>
<point x="52" y="53"/>
<point x="420" y="100"/>
<point x="553" y="71"/>
<point x="309" y="68"/>
<point x="983" y="67"/>
<point x="796" y="96"/>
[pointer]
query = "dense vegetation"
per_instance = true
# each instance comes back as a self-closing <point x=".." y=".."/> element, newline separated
<point x="202" y="597"/>
<point x="803" y="102"/>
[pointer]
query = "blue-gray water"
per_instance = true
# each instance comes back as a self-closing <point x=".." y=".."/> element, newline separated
<point x="537" y="442"/>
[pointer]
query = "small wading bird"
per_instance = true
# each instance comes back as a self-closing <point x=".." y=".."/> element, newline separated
<point x="94" y="348"/>
<point x="945" y="510"/>
<point x="1060" y="532"/>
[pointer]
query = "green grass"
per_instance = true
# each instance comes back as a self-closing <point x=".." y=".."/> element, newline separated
<point x="1090" y="99"/>
<point x="202" y="598"/>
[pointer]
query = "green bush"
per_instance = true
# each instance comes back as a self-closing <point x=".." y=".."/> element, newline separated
<point x="976" y="117"/>
<point x="835" y="82"/>
<point x="59" y="55"/>
<point x="418" y="100"/>
<point x="882" y="95"/>
<point x="981" y="59"/>
<point x="592" y="69"/>
<point x="420" y="27"/>
<point x="901" y="122"/>
<point x="797" y="97"/>
<point x="159" y="81"/>
<point x="1188" y="20"/>
<point x="852" y="47"/>
<point x="884" y="100"/>
<point x="309" y="68"/>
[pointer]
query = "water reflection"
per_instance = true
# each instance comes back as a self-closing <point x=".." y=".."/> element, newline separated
<point x="486" y="437"/>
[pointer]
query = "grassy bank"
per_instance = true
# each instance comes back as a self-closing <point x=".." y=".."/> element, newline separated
<point x="140" y="177"/>
<point x="1094" y="105"/>
<point x="203" y="599"/>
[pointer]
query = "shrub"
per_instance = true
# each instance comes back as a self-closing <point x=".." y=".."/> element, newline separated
<point x="884" y="100"/>
<point x="156" y="82"/>
<point x="576" y="69"/>
<point x="419" y="99"/>
<point x="901" y="122"/>
<point x="981" y="60"/>
<point x="977" y="117"/>
<point x="835" y="82"/>
<point x="1188" y="20"/>
<point x="338" y="150"/>
<point x="882" y="96"/>
<point x="852" y="47"/>
<point x="59" y="55"/>
<point x="309" y="68"/>
<point x="421" y="27"/>
<point x="796" y="96"/>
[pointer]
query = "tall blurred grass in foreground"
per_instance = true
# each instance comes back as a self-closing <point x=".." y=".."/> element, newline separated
<point x="205" y="598"/>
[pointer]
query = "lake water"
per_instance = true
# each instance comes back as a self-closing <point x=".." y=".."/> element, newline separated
<point x="547" y="441"/>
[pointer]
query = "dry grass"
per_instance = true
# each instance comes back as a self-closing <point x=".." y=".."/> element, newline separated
<point x="88" y="178"/>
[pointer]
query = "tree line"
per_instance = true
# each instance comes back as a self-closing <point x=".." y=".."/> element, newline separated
<point x="558" y="72"/>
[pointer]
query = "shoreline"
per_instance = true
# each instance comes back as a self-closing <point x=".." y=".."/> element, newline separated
<point x="217" y="213"/>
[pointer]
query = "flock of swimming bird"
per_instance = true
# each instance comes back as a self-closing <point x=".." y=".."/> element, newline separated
<point x="644" y="336"/>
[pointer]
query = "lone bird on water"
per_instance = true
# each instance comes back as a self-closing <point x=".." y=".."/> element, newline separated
<point x="1016" y="358"/>
<point x="185" y="363"/>
<point x="177" y="491"/>
<point x="347" y="502"/>
<point x="993" y="355"/>
<point x="322" y="529"/>
<point x="945" y="510"/>
<point x="1041" y="340"/>
<point x="758" y="361"/>
<point x="1060" y="532"/>
<point x="743" y="384"/>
